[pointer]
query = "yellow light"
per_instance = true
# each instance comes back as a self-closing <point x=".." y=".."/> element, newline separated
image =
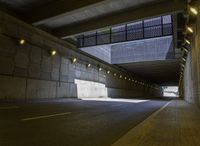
<point x="187" y="41"/>
<point x="88" y="65"/>
<point x="193" y="10"/>
<point x="74" y="60"/>
<point x="53" y="52"/>
<point x="22" y="41"/>
<point x="186" y="50"/>
<point x="190" y="29"/>
<point x="108" y="72"/>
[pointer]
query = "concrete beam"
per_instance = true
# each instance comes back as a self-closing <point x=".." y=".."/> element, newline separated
<point x="56" y="8"/>
<point x="149" y="10"/>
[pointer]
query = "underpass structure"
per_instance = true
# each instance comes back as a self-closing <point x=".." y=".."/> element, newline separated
<point x="79" y="69"/>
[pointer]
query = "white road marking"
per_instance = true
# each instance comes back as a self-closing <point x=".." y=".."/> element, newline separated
<point x="125" y="140"/>
<point x="8" y="107"/>
<point x="46" y="116"/>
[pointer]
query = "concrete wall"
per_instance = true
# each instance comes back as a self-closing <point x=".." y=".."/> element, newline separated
<point x="29" y="72"/>
<point x="152" y="49"/>
<point x="129" y="89"/>
<point x="188" y="85"/>
<point x="191" y="80"/>
<point x="102" y="52"/>
<point x="143" y="50"/>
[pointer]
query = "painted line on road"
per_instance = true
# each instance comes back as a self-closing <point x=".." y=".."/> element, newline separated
<point x="128" y="137"/>
<point x="45" y="116"/>
<point x="9" y="107"/>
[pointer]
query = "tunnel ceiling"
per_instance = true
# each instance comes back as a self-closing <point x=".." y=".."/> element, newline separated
<point x="67" y="17"/>
<point x="160" y="72"/>
<point x="23" y="6"/>
<point x="73" y="11"/>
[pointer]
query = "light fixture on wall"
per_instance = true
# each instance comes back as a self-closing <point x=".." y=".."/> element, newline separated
<point x="88" y="65"/>
<point x="183" y="59"/>
<point x="100" y="69"/>
<point x="53" y="52"/>
<point x="74" y="60"/>
<point x="120" y="76"/>
<point x="187" y="41"/>
<point x="125" y="78"/>
<point x="108" y="72"/>
<point x="186" y="50"/>
<point x="189" y="29"/>
<point x="115" y="74"/>
<point x="22" y="41"/>
<point x="182" y="68"/>
<point x="193" y="10"/>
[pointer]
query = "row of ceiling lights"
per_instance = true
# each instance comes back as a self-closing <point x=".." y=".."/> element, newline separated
<point x="74" y="60"/>
<point x="189" y="30"/>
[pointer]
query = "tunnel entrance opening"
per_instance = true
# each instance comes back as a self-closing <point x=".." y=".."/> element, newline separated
<point x="90" y="89"/>
<point x="170" y="91"/>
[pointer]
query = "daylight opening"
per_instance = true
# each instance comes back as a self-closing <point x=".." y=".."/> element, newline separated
<point x="170" y="91"/>
<point x="90" y="89"/>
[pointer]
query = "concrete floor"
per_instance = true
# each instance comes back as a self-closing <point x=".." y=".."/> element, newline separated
<point x="175" y="125"/>
<point x="70" y="122"/>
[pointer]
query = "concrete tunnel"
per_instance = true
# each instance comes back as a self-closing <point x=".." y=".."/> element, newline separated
<point x="95" y="72"/>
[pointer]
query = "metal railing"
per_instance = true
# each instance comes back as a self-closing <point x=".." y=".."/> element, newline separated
<point x="128" y="34"/>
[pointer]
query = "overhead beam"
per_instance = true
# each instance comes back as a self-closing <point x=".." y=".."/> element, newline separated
<point x="145" y="11"/>
<point x="56" y="8"/>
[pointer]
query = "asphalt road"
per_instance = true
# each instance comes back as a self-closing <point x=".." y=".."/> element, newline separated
<point x="70" y="122"/>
